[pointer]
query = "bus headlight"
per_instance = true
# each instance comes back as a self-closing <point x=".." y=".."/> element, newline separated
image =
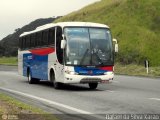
<point x="71" y="72"/>
<point x="108" y="73"/>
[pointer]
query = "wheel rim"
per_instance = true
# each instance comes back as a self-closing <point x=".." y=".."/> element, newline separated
<point x="29" y="77"/>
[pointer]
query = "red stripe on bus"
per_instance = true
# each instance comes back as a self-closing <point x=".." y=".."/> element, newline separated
<point x="42" y="51"/>
<point x="107" y="68"/>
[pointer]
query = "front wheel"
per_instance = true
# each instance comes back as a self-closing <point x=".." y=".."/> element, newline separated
<point x="56" y="85"/>
<point x="93" y="85"/>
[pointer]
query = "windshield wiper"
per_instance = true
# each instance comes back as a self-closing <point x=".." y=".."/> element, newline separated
<point x="99" y="59"/>
<point x="84" y="56"/>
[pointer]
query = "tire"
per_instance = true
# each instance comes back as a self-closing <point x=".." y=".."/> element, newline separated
<point x="32" y="80"/>
<point x="56" y="85"/>
<point x="93" y="86"/>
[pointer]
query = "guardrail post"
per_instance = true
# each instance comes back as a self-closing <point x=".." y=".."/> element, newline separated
<point x="147" y="65"/>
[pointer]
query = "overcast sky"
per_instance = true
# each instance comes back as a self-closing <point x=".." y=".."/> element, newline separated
<point x="17" y="13"/>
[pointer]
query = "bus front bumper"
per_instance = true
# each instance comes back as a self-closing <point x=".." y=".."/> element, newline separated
<point x="88" y="79"/>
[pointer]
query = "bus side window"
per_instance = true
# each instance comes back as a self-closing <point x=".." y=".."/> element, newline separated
<point x="32" y="40"/>
<point x="38" y="39"/>
<point x="24" y="42"/>
<point x="51" y="36"/>
<point x="27" y="42"/>
<point x="58" y="45"/>
<point x="45" y="38"/>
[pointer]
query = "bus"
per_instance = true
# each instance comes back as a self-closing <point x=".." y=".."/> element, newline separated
<point x="67" y="53"/>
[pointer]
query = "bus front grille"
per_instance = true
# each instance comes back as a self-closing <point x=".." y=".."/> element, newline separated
<point x="90" y="80"/>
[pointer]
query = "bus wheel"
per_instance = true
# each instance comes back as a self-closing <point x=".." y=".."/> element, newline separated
<point x="93" y="85"/>
<point x="55" y="84"/>
<point x="30" y="79"/>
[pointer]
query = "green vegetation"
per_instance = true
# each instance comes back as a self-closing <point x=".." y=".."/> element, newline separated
<point x="136" y="70"/>
<point x="8" y="60"/>
<point x="135" y="24"/>
<point x="12" y="107"/>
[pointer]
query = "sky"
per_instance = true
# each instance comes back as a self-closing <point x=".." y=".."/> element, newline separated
<point x="17" y="13"/>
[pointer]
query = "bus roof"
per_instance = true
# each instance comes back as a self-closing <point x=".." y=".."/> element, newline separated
<point x="65" y="24"/>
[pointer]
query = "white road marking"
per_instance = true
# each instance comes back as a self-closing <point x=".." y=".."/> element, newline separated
<point x="158" y="99"/>
<point x="47" y="101"/>
<point x="110" y="91"/>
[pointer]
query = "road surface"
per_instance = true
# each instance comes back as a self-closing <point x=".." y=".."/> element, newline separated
<point x="125" y="95"/>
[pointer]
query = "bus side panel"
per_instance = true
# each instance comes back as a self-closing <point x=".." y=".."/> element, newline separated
<point x="51" y="63"/>
<point x="57" y="67"/>
<point x="38" y="65"/>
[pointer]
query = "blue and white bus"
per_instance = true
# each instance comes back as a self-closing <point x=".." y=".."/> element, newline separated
<point x="67" y="52"/>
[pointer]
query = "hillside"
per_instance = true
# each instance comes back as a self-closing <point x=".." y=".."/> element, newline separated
<point x="134" y="23"/>
<point x="9" y="44"/>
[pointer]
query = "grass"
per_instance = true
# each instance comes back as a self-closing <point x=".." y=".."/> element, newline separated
<point x="136" y="70"/>
<point x="135" y="24"/>
<point x="13" y="107"/>
<point x="8" y="60"/>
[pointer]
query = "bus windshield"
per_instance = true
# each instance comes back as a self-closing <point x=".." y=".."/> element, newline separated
<point x="88" y="46"/>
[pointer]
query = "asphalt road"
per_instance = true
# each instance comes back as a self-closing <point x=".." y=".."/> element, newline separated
<point x="125" y="95"/>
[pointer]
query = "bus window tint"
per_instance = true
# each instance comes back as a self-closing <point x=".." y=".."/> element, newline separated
<point x="38" y="39"/>
<point x="22" y="39"/>
<point x="44" y="37"/>
<point x="27" y="38"/>
<point x="51" y="36"/>
<point x="35" y="40"/>
<point x="32" y="40"/>
<point x="20" y="43"/>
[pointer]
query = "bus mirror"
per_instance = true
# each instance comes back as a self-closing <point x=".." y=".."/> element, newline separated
<point x="116" y="45"/>
<point x="63" y="44"/>
<point x="115" y="40"/>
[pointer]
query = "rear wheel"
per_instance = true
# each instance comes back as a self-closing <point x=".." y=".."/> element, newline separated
<point x="93" y="85"/>
<point x="30" y="79"/>
<point x="56" y="85"/>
